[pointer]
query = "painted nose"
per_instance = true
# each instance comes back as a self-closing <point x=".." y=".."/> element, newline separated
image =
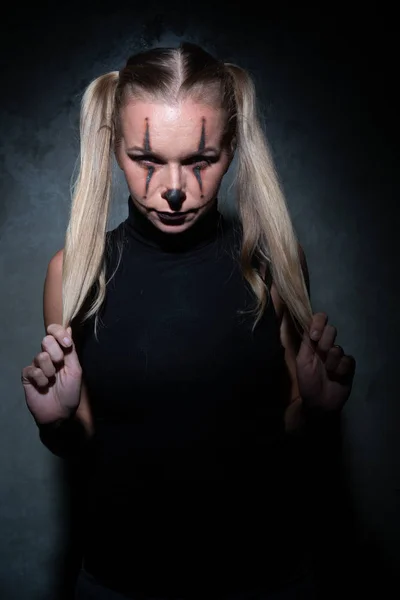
<point x="175" y="198"/>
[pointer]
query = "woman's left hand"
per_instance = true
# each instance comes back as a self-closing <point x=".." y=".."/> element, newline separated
<point x="324" y="373"/>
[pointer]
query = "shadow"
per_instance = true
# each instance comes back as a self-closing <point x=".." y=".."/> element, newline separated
<point x="73" y="475"/>
<point x="343" y="559"/>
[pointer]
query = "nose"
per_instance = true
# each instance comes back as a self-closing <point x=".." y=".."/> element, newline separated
<point x="175" y="198"/>
<point x="174" y="194"/>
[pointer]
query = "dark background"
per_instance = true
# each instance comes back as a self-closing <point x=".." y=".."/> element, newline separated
<point x="326" y="81"/>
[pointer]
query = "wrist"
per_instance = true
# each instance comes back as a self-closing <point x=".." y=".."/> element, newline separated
<point x="55" y="421"/>
<point x="64" y="437"/>
<point x="317" y="416"/>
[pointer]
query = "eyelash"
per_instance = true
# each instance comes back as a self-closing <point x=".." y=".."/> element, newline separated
<point x="204" y="162"/>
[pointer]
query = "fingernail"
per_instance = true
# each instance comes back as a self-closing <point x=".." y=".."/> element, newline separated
<point x="67" y="341"/>
<point x="315" y="334"/>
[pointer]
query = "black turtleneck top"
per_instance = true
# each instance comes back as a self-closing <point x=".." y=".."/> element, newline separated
<point x="188" y="483"/>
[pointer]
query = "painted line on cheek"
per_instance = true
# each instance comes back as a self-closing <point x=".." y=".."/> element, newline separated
<point x="196" y="171"/>
<point x="202" y="145"/>
<point x="150" y="172"/>
<point x="147" y="148"/>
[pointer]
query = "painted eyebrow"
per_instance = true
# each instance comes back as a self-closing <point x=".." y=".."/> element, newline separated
<point x="197" y="152"/>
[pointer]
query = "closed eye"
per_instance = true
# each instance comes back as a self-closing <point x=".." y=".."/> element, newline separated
<point x="200" y="160"/>
<point x="146" y="160"/>
<point x="149" y="160"/>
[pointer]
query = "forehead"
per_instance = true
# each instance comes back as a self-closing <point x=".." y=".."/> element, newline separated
<point x="171" y="126"/>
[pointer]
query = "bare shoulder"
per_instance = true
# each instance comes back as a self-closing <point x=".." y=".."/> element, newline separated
<point x="56" y="261"/>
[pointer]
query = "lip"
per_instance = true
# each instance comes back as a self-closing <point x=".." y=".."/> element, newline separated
<point x="172" y="216"/>
<point x="177" y="214"/>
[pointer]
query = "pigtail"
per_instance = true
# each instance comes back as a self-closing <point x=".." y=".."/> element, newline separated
<point x="83" y="261"/>
<point x="268" y="234"/>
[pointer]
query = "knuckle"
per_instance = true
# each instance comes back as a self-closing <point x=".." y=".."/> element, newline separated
<point x="51" y="371"/>
<point x="39" y="358"/>
<point x="51" y="347"/>
<point x="54" y="329"/>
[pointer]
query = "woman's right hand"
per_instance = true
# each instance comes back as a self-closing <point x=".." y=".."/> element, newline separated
<point x="52" y="383"/>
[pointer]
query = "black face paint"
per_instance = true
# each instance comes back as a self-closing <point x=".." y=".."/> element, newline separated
<point x="147" y="148"/>
<point x="146" y="143"/>
<point x="198" y="177"/>
<point x="202" y="145"/>
<point x="174" y="198"/>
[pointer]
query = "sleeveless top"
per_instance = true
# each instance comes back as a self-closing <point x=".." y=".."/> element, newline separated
<point x="188" y="484"/>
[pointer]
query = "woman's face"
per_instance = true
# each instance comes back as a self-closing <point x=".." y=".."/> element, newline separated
<point x="173" y="160"/>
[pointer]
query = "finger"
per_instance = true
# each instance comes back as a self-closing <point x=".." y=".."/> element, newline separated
<point x="333" y="358"/>
<point x="347" y="366"/>
<point x="307" y="350"/>
<point x="61" y="334"/>
<point x="326" y="340"/>
<point x="52" y="347"/>
<point x="308" y="347"/>
<point x="317" y="325"/>
<point x="33" y="375"/>
<point x="44" y="362"/>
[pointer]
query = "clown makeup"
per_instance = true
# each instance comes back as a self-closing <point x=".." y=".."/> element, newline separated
<point x="172" y="180"/>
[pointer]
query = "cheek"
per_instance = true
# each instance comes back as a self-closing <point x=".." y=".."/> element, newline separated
<point x="134" y="175"/>
<point x="211" y="178"/>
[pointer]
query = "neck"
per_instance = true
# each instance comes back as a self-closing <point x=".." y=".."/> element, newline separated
<point x="202" y="232"/>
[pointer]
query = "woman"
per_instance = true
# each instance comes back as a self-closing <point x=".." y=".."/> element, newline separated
<point x="191" y="358"/>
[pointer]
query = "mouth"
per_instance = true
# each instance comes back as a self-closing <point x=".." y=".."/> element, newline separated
<point x="172" y="216"/>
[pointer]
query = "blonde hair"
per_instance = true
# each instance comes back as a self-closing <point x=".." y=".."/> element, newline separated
<point x="170" y="75"/>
